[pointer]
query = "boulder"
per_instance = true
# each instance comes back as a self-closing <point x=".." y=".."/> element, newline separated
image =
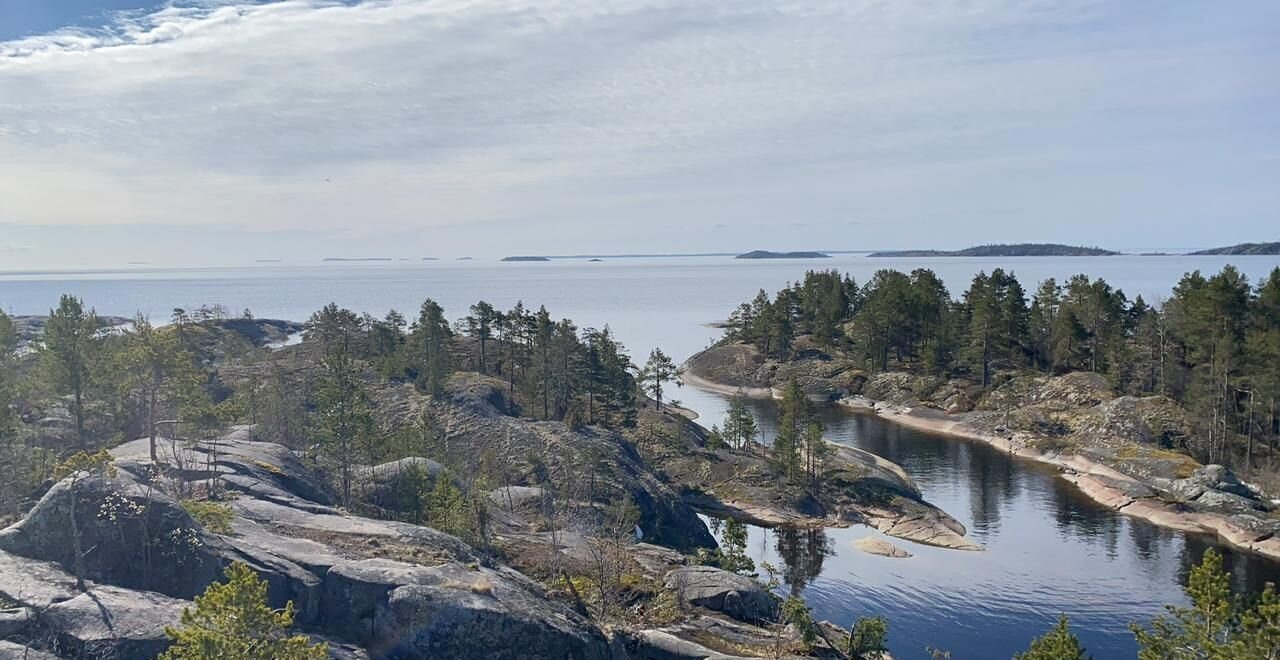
<point x="240" y="460"/>
<point x="16" y="620"/>
<point x="407" y="611"/>
<point x="15" y="651"/>
<point x="397" y="485"/>
<point x="739" y="597"/>
<point x="33" y="583"/>
<point x="1216" y="487"/>
<point x="1225" y="502"/>
<point x="881" y="547"/>
<point x="133" y="535"/>
<point x="109" y="622"/>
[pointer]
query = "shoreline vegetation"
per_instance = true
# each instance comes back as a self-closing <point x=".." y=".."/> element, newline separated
<point x="1101" y="483"/>
<point x="1145" y="409"/>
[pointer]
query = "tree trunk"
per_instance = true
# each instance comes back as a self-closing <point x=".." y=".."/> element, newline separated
<point x="75" y="540"/>
<point x="151" y="427"/>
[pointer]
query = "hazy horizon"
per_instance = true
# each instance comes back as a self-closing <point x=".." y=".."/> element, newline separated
<point x="223" y="132"/>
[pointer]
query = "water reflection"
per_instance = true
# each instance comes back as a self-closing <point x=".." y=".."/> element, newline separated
<point x="1050" y="550"/>
<point x="803" y="552"/>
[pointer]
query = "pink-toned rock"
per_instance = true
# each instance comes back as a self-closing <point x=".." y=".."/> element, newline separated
<point x="875" y="546"/>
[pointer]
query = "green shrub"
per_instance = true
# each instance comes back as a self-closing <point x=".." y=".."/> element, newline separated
<point x="212" y="516"/>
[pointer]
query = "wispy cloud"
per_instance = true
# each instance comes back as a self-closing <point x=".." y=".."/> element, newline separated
<point x="577" y="119"/>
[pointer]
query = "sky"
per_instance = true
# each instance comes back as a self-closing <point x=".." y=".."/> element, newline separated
<point x="219" y="132"/>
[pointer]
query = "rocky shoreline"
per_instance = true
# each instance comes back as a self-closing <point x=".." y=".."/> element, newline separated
<point x="1103" y="484"/>
<point x="1106" y="450"/>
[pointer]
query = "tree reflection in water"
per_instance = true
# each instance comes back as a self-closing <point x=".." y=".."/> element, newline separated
<point x="802" y="552"/>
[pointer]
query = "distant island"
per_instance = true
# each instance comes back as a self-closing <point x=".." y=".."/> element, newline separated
<point x="431" y="258"/>
<point x="266" y="261"/>
<point x="463" y="259"/>
<point x="595" y="259"/>
<point x="525" y="259"/>
<point x="765" y="254"/>
<point x="1243" y="249"/>
<point x="1005" y="250"/>
<point x="357" y="259"/>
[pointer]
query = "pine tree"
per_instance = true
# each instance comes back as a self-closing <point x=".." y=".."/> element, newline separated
<point x="343" y="417"/>
<point x="1057" y="644"/>
<point x="657" y="371"/>
<point x="480" y="325"/>
<point x="430" y="342"/>
<point x="868" y="638"/>
<point x="1215" y="626"/>
<point x="733" y="548"/>
<point x="740" y="425"/>
<point x="232" y="621"/>
<point x="154" y="365"/>
<point x="69" y="349"/>
<point x="815" y="452"/>
<point x="793" y="418"/>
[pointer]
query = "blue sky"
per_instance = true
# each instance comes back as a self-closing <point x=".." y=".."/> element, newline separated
<point x="220" y="132"/>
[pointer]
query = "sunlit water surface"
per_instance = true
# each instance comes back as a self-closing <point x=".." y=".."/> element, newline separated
<point x="1049" y="550"/>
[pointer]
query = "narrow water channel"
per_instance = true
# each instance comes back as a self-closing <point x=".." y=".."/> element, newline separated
<point x="1050" y="550"/>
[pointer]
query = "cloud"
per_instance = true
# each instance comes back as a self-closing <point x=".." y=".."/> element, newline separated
<point x="576" y="120"/>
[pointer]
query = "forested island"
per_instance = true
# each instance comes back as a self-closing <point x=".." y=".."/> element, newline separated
<point x="1150" y="409"/>
<point x="765" y="254"/>
<point x="1243" y="249"/>
<point x="357" y="259"/>
<point x="1005" y="250"/>
<point x="509" y="485"/>
<point x="526" y="259"/>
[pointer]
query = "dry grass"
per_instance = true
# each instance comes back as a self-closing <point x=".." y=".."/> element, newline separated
<point x="1184" y="464"/>
<point x="481" y="586"/>
<point x="359" y="546"/>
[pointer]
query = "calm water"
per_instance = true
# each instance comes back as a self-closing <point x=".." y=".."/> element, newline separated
<point x="1049" y="549"/>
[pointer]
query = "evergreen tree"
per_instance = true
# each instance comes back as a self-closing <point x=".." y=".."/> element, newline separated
<point x="430" y="342"/>
<point x="1042" y="322"/>
<point x="793" y="418"/>
<point x="609" y="382"/>
<point x="386" y="343"/>
<point x="1215" y="626"/>
<point x="154" y="366"/>
<point x="983" y="306"/>
<point x="542" y="336"/>
<point x="740" y="425"/>
<point x="343" y="417"/>
<point x="480" y="325"/>
<point x="715" y="438"/>
<point x="67" y="354"/>
<point x="447" y="508"/>
<point x="1057" y="644"/>
<point x="815" y="452"/>
<point x="232" y="621"/>
<point x="868" y="638"/>
<point x="733" y="548"/>
<point x="658" y="371"/>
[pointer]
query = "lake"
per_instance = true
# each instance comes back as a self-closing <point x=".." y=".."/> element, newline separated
<point x="1049" y="549"/>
